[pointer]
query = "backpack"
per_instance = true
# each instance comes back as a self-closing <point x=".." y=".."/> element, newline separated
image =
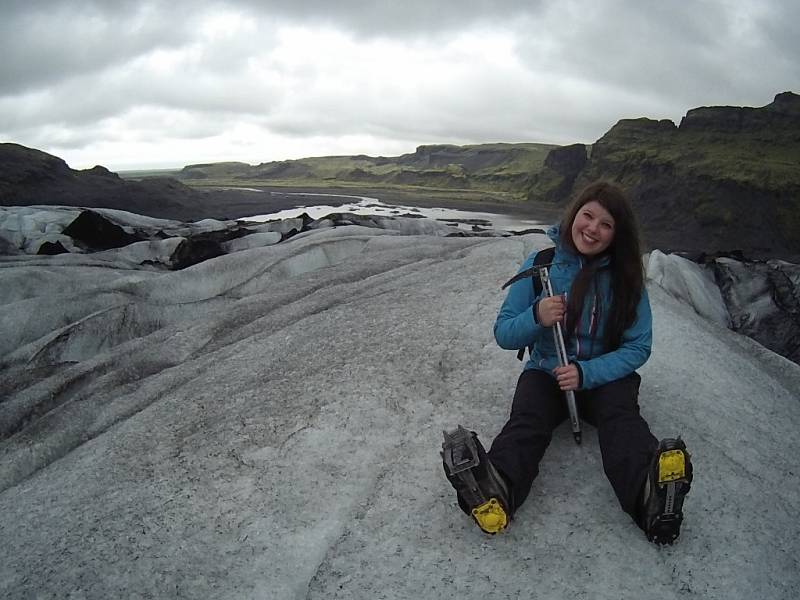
<point x="543" y="258"/>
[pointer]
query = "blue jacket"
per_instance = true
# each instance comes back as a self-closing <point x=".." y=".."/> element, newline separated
<point x="516" y="326"/>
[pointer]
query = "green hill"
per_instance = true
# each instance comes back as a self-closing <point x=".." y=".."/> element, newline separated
<point x="490" y="167"/>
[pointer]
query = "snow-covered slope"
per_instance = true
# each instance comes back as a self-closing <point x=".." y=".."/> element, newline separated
<point x="267" y="424"/>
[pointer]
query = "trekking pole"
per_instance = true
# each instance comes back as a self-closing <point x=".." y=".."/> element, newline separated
<point x="563" y="360"/>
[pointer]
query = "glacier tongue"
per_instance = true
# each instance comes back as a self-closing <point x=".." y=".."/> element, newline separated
<point x="267" y="424"/>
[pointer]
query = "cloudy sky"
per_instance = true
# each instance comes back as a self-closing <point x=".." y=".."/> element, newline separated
<point x="151" y="84"/>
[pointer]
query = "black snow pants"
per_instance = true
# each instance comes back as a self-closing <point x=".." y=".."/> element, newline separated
<point x="626" y="443"/>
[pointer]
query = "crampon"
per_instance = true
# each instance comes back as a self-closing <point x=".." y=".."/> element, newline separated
<point x="482" y="492"/>
<point x="669" y="480"/>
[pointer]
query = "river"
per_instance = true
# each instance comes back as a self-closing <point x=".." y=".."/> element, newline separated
<point x="364" y="205"/>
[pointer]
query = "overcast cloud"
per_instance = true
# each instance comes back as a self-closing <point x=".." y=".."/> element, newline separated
<point x="158" y="84"/>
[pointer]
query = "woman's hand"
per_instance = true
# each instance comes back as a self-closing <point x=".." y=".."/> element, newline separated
<point x="568" y="377"/>
<point x="551" y="310"/>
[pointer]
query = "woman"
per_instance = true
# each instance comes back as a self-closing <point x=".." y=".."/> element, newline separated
<point x="603" y="308"/>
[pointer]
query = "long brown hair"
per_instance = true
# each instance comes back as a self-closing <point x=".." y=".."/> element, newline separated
<point x="625" y="261"/>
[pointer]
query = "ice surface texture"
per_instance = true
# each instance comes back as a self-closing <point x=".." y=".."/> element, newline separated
<point x="266" y="424"/>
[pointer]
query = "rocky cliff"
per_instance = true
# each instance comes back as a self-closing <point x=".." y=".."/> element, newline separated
<point x="726" y="178"/>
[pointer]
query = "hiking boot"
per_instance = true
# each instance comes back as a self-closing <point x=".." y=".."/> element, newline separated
<point x="668" y="481"/>
<point x="481" y="490"/>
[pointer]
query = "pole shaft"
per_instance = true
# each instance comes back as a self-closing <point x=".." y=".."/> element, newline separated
<point x="563" y="359"/>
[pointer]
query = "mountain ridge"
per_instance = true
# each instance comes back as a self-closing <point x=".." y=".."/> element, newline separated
<point x="500" y="166"/>
<point x="725" y="178"/>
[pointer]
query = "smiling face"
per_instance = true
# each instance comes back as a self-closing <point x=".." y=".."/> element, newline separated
<point x="592" y="229"/>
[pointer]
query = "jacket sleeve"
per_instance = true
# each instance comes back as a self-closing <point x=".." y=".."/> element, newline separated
<point x="516" y="326"/>
<point x="633" y="352"/>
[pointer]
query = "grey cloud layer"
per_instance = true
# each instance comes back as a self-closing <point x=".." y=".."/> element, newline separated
<point x="578" y="66"/>
<point x="713" y="51"/>
<point x="44" y="43"/>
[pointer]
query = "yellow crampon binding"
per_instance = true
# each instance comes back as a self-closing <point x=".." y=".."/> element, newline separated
<point x="671" y="466"/>
<point x="490" y="516"/>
